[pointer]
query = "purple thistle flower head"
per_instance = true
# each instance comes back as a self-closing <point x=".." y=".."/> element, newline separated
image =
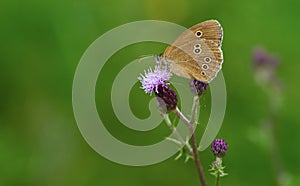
<point x="198" y="87"/>
<point x="157" y="81"/>
<point x="154" y="79"/>
<point x="263" y="59"/>
<point x="219" y="148"/>
<point x="167" y="98"/>
<point x="259" y="56"/>
<point x="265" y="68"/>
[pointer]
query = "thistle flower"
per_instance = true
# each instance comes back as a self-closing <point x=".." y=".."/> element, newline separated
<point x="153" y="79"/>
<point x="219" y="148"/>
<point x="198" y="87"/>
<point x="262" y="59"/>
<point x="265" y="67"/>
<point x="259" y="56"/>
<point x="167" y="98"/>
<point x="267" y="77"/>
<point x="157" y="81"/>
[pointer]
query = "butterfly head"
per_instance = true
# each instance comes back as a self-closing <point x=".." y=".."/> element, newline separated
<point x="161" y="61"/>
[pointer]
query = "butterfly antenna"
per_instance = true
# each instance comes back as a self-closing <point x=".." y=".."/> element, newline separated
<point x="140" y="58"/>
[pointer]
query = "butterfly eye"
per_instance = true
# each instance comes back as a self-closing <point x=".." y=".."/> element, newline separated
<point x="207" y="59"/>
<point x="204" y="66"/>
<point x="203" y="73"/>
<point x="197" y="51"/>
<point x="197" y="46"/>
<point x="198" y="33"/>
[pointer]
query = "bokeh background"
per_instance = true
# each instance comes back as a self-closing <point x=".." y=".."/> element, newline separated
<point x="42" y="43"/>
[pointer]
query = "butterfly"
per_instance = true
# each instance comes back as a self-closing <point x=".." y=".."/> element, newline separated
<point x="196" y="53"/>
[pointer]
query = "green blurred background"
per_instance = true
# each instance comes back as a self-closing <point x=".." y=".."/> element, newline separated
<point x="42" y="43"/>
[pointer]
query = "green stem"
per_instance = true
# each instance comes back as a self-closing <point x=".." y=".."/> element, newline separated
<point x="176" y="133"/>
<point x="191" y="125"/>
<point x="194" y="110"/>
<point x="182" y="117"/>
<point x="218" y="180"/>
<point x="275" y="96"/>
<point x="194" y="142"/>
<point x="197" y="161"/>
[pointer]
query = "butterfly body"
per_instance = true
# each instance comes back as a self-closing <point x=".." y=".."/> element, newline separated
<point x="196" y="53"/>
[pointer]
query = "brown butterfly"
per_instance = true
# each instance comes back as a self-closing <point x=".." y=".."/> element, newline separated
<point x="196" y="53"/>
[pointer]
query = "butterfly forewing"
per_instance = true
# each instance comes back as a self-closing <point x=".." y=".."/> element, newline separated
<point x="197" y="53"/>
<point x="211" y="30"/>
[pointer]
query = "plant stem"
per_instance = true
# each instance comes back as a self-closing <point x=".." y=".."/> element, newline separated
<point x="218" y="180"/>
<point x="274" y="104"/>
<point x="191" y="125"/>
<point x="174" y="130"/>
<point x="197" y="161"/>
<point x="194" y="110"/>
<point x="194" y="142"/>
<point x="277" y="166"/>
<point x="182" y="117"/>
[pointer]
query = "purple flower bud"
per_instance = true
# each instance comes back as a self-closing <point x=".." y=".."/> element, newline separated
<point x="260" y="56"/>
<point x="198" y="87"/>
<point x="219" y="147"/>
<point x="167" y="98"/>
<point x="263" y="59"/>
